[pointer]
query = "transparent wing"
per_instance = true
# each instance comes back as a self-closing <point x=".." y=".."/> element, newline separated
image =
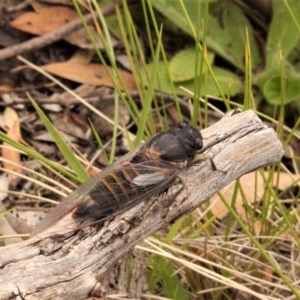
<point x="145" y="185"/>
<point x="149" y="181"/>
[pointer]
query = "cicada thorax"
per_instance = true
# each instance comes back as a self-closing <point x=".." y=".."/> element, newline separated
<point x="176" y="145"/>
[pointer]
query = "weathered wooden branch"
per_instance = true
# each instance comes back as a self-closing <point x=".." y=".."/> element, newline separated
<point x="44" y="267"/>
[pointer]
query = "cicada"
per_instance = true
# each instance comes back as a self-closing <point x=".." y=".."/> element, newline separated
<point x="147" y="171"/>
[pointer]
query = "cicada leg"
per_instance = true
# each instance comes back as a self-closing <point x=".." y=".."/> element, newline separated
<point x="203" y="157"/>
<point x="181" y="181"/>
<point x="170" y="197"/>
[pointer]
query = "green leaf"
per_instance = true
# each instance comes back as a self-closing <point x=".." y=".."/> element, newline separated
<point x="225" y="27"/>
<point x="228" y="81"/>
<point x="283" y="33"/>
<point x="235" y="25"/>
<point x="273" y="94"/>
<point x="162" y="83"/>
<point x="182" y="65"/>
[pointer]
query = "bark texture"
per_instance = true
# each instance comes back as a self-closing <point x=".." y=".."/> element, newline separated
<point x="71" y="266"/>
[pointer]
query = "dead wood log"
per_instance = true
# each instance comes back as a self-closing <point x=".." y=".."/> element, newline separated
<point x="44" y="267"/>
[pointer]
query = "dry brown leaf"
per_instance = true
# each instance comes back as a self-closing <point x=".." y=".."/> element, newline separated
<point x="92" y="74"/>
<point x="287" y="180"/>
<point x="257" y="227"/>
<point x="253" y="187"/>
<point x="82" y="56"/>
<point x="8" y="152"/>
<point x="268" y="274"/>
<point x="43" y="3"/>
<point x="93" y="171"/>
<point x="71" y="124"/>
<point x="80" y="39"/>
<point x="5" y="88"/>
<point x="107" y="107"/>
<point x="248" y="183"/>
<point x="44" y="20"/>
<point x="10" y="117"/>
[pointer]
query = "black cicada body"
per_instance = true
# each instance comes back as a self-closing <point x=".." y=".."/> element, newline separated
<point x="141" y="174"/>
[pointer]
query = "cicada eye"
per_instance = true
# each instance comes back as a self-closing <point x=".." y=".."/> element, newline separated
<point x="190" y="139"/>
<point x="182" y="125"/>
<point x="198" y="143"/>
<point x="192" y="146"/>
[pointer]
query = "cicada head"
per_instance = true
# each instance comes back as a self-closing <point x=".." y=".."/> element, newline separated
<point x="177" y="144"/>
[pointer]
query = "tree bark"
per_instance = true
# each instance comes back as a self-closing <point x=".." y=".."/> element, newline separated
<point x="71" y="267"/>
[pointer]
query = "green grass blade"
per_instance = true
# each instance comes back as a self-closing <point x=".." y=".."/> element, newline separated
<point x="31" y="153"/>
<point x="66" y="151"/>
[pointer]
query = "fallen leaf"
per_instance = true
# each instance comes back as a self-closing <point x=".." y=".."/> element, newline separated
<point x="10" y="117"/>
<point x="82" y="56"/>
<point x="9" y="153"/>
<point x="88" y="73"/>
<point x="253" y="187"/>
<point x="71" y="124"/>
<point x="268" y="273"/>
<point x="80" y="39"/>
<point x="107" y="107"/>
<point x="4" y="184"/>
<point x="48" y="19"/>
<point x="93" y="171"/>
<point x="45" y="20"/>
<point x="5" y="88"/>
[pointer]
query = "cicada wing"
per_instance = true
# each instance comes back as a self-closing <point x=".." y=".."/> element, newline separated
<point x="80" y="195"/>
<point x="149" y="181"/>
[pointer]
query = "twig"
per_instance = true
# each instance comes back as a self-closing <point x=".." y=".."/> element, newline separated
<point x="45" y="267"/>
